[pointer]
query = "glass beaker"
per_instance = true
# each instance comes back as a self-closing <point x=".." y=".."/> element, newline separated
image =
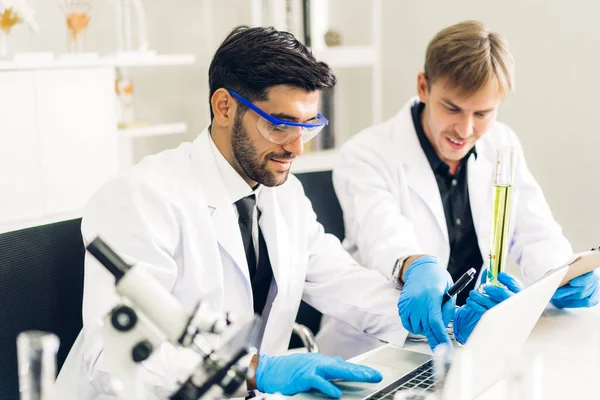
<point x="36" y="355"/>
<point x="503" y="182"/>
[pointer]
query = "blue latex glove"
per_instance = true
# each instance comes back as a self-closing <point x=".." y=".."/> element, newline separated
<point x="580" y="292"/>
<point x="297" y="373"/>
<point x="468" y="316"/>
<point x="420" y="303"/>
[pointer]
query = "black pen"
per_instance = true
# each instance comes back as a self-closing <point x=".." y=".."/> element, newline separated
<point x="460" y="284"/>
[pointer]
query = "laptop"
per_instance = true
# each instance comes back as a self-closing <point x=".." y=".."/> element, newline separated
<point x="495" y="341"/>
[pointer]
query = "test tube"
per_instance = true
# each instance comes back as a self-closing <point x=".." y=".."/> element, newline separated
<point x="36" y="356"/>
<point x="503" y="182"/>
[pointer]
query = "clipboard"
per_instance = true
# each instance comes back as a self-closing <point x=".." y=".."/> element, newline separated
<point x="583" y="264"/>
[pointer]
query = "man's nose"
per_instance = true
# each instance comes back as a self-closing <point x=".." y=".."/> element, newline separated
<point x="296" y="147"/>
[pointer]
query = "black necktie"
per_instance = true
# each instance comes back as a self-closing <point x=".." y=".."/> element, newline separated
<point x="245" y="207"/>
<point x="261" y="273"/>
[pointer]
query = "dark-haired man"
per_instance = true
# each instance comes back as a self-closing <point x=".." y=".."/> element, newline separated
<point x="220" y="220"/>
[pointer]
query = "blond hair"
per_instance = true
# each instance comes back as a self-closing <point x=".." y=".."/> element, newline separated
<point x="470" y="56"/>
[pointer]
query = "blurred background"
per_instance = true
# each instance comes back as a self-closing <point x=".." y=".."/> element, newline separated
<point x="79" y="101"/>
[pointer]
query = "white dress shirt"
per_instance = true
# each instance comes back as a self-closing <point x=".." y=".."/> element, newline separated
<point x="237" y="189"/>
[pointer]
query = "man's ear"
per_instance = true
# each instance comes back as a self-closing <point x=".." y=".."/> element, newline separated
<point x="422" y="87"/>
<point x="223" y="107"/>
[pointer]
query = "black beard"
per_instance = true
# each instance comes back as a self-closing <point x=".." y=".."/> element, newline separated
<point x="249" y="160"/>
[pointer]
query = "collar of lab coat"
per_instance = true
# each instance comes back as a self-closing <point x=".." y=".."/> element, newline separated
<point x="421" y="178"/>
<point x="219" y="203"/>
<point x="272" y="222"/>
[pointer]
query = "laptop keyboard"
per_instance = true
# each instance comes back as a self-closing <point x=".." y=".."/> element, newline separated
<point x="419" y="380"/>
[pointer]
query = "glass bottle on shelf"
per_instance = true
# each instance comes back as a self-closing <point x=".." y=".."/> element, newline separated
<point x="8" y="19"/>
<point x="77" y="14"/>
<point x="13" y="13"/>
<point x="124" y="89"/>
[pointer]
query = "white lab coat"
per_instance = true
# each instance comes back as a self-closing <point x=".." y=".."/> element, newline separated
<point x="392" y="208"/>
<point x="171" y="214"/>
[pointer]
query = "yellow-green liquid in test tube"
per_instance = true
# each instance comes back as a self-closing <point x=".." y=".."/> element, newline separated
<point x="501" y="214"/>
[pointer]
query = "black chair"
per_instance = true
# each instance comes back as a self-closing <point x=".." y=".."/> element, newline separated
<point x="318" y="187"/>
<point x="41" y="288"/>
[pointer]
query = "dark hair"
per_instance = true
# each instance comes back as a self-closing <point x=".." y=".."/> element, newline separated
<point x="251" y="60"/>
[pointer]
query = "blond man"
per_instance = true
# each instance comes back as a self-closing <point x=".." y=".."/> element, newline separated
<point x="416" y="192"/>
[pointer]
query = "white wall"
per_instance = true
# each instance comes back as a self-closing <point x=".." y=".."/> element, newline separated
<point x="555" y="109"/>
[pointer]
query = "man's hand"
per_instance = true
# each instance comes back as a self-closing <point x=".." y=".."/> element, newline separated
<point x="468" y="316"/>
<point x="580" y="292"/>
<point x="420" y="303"/>
<point x="297" y="373"/>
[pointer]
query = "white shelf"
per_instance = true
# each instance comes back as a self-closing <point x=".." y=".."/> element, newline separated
<point x="323" y="160"/>
<point x="154" y="130"/>
<point x="90" y="61"/>
<point x="346" y="56"/>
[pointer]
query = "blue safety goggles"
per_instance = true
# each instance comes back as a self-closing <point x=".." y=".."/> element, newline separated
<point x="280" y="131"/>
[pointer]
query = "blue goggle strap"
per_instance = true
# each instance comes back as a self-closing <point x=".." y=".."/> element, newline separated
<point x="276" y="121"/>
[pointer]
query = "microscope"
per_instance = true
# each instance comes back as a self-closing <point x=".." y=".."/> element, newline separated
<point x="147" y="316"/>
